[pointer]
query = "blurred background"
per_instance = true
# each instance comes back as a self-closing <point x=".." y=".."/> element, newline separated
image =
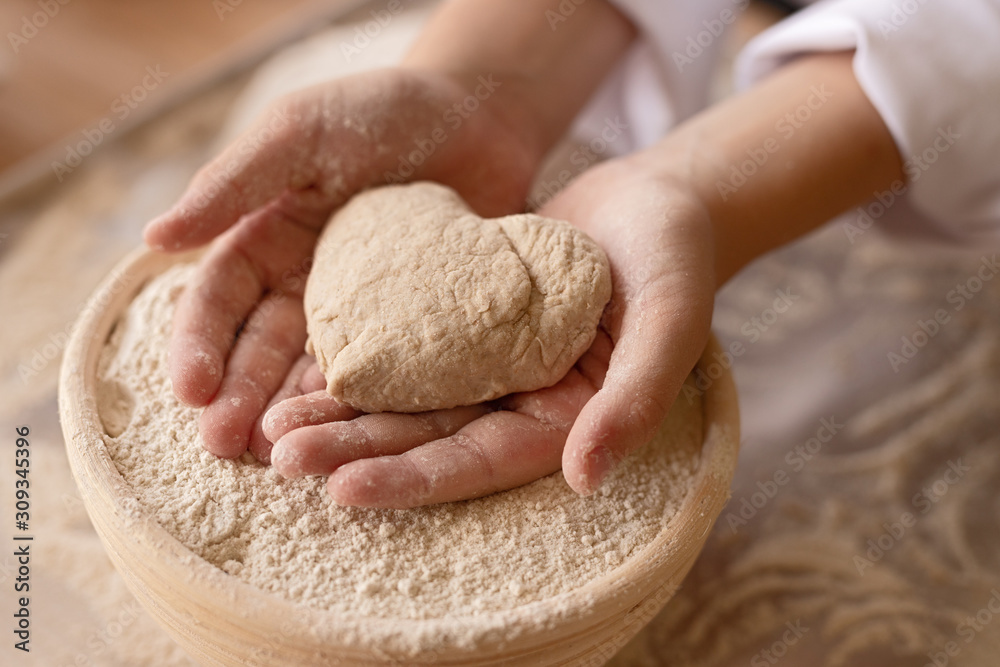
<point x="108" y="107"/>
<point x="68" y="65"/>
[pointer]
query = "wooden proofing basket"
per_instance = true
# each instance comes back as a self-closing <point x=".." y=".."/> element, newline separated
<point x="221" y="620"/>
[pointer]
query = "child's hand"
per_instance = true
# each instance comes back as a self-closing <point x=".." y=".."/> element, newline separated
<point x="672" y="236"/>
<point x="659" y="243"/>
<point x="264" y="201"/>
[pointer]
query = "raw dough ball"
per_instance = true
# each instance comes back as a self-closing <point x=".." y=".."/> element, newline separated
<point x="416" y="303"/>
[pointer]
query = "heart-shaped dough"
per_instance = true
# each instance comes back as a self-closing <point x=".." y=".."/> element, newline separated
<point x="416" y="303"/>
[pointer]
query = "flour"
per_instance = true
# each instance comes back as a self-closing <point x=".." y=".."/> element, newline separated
<point x="807" y="555"/>
<point x="287" y="537"/>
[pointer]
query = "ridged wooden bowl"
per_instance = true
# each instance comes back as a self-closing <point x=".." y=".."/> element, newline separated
<point x="221" y="620"/>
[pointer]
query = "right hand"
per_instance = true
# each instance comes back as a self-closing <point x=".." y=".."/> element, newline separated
<point x="239" y="328"/>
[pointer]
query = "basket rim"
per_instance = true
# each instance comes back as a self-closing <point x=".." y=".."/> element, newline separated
<point x="571" y="615"/>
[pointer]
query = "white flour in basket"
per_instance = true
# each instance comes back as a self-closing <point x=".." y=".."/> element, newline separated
<point x="286" y="536"/>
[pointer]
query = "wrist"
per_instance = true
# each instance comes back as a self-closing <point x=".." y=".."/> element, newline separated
<point x="543" y="76"/>
<point x="685" y="167"/>
<point x="501" y="102"/>
<point x="766" y="180"/>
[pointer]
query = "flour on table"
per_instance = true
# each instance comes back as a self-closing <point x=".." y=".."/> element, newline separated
<point x="286" y="536"/>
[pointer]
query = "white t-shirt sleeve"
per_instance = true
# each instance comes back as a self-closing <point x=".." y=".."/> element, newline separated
<point x="932" y="70"/>
<point x="665" y="77"/>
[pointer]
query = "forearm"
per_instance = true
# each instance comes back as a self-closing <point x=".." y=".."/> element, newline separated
<point x="774" y="163"/>
<point x="548" y="63"/>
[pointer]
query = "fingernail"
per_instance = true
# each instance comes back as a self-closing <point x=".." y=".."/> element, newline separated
<point x="600" y="463"/>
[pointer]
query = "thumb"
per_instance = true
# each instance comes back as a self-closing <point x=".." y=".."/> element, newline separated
<point x="273" y="156"/>
<point x="661" y="334"/>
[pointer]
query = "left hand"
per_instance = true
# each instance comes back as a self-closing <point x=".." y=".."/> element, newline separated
<point x="659" y="242"/>
<point x="239" y="328"/>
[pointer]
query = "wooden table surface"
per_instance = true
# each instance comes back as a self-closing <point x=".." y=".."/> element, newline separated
<point x="74" y="74"/>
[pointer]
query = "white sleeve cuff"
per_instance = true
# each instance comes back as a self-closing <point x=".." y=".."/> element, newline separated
<point x="931" y="70"/>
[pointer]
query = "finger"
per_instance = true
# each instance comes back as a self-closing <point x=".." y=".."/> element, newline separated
<point x="266" y="250"/>
<point x="662" y="330"/>
<point x="209" y="312"/>
<point x="321" y="449"/>
<point x="559" y="405"/>
<point x="501" y="450"/>
<point x="316" y="407"/>
<point x="275" y="155"/>
<point x="260" y="445"/>
<point x="269" y="346"/>
<point x="313" y="380"/>
<point x="659" y="244"/>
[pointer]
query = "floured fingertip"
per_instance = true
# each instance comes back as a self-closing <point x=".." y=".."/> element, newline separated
<point x="312" y="380"/>
<point x="196" y="375"/>
<point x="221" y="433"/>
<point x="287" y="459"/>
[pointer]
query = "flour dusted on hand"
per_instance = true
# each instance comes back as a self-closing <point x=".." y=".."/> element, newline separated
<point x="416" y="303"/>
<point x="286" y="536"/>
